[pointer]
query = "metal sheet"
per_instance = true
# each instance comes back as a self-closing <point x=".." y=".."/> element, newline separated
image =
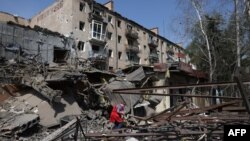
<point x="136" y="75"/>
<point x="117" y="98"/>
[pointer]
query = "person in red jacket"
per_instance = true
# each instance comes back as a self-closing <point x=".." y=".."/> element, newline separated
<point x="116" y="116"/>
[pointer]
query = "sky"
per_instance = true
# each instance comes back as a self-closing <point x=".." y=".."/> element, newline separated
<point x="164" y="14"/>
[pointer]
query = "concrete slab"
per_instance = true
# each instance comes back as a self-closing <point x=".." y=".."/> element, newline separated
<point x="50" y="115"/>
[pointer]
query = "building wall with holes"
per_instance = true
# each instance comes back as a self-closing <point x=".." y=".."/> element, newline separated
<point x="23" y="42"/>
<point x="73" y="18"/>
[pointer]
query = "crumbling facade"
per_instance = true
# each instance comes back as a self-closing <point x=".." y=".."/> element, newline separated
<point x="6" y="17"/>
<point x="106" y="36"/>
<point x="19" y="41"/>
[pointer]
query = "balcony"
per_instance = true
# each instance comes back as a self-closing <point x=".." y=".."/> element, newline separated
<point x="134" y="62"/>
<point x="100" y="55"/>
<point x="132" y="34"/>
<point x="97" y="38"/>
<point x="170" y="51"/>
<point x="133" y="59"/>
<point x="132" y="48"/>
<point x="153" y="58"/>
<point x="180" y="55"/>
<point x="95" y="16"/>
<point x="153" y="55"/>
<point x="181" y="66"/>
<point x="152" y="43"/>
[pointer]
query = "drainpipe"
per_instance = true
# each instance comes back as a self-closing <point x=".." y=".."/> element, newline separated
<point x="161" y="53"/>
<point x="116" y="45"/>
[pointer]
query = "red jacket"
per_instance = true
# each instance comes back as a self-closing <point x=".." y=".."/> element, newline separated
<point x="115" y="116"/>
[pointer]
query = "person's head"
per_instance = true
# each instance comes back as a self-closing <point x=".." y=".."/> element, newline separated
<point x="120" y="108"/>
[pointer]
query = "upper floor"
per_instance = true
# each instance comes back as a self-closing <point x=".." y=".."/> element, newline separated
<point x="89" y="21"/>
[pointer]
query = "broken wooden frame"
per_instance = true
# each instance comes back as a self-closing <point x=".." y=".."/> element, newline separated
<point x="238" y="82"/>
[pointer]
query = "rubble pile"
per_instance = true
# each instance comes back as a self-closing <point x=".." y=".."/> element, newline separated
<point x="37" y="95"/>
<point x="59" y="102"/>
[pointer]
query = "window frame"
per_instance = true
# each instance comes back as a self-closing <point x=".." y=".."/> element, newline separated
<point x="80" y="46"/>
<point x="119" y="38"/>
<point x="96" y="34"/>
<point x="82" y="28"/>
<point x="82" y="7"/>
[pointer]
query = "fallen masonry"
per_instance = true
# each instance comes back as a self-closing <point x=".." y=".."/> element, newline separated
<point x="82" y="111"/>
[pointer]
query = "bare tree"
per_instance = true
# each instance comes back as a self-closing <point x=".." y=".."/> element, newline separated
<point x="197" y="6"/>
<point x="237" y="28"/>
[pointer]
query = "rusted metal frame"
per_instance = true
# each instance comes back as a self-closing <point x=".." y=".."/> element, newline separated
<point x="243" y="94"/>
<point x="234" y="109"/>
<point x="182" y="133"/>
<point x="167" y="118"/>
<point x="89" y="135"/>
<point x="199" y="132"/>
<point x="198" y="110"/>
<point x="235" y="118"/>
<point x="156" y="115"/>
<point x="78" y="126"/>
<point x="181" y="86"/>
<point x="183" y="95"/>
<point x="76" y="131"/>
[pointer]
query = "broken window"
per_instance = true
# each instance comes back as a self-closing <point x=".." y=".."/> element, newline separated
<point x="144" y="35"/>
<point x="95" y="49"/>
<point x="119" y="38"/>
<point x="111" y="68"/>
<point x="80" y="46"/>
<point x="60" y="55"/>
<point x="110" y="19"/>
<point x="97" y="30"/>
<point x="130" y="42"/>
<point x="129" y="27"/>
<point x="133" y="57"/>
<point x="97" y="12"/>
<point x="119" y="55"/>
<point x="145" y="47"/>
<point x="81" y="25"/>
<point x="82" y="7"/>
<point x="119" y="23"/>
<point x="109" y="35"/>
<point x="110" y="53"/>
<point x="150" y="38"/>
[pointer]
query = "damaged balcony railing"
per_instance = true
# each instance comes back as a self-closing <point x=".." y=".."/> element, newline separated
<point x="132" y="33"/>
<point x="152" y="42"/>
<point x="96" y="16"/>
<point x="132" y="48"/>
<point x="153" y="55"/>
<point x="98" y="37"/>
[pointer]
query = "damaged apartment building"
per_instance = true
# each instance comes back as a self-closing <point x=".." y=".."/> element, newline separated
<point x="80" y="31"/>
<point x="106" y="37"/>
<point x="112" y="41"/>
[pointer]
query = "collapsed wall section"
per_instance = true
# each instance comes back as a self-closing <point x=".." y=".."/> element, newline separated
<point x="19" y="41"/>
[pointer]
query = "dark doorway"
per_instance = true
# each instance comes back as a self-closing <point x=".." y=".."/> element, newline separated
<point x="60" y="55"/>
